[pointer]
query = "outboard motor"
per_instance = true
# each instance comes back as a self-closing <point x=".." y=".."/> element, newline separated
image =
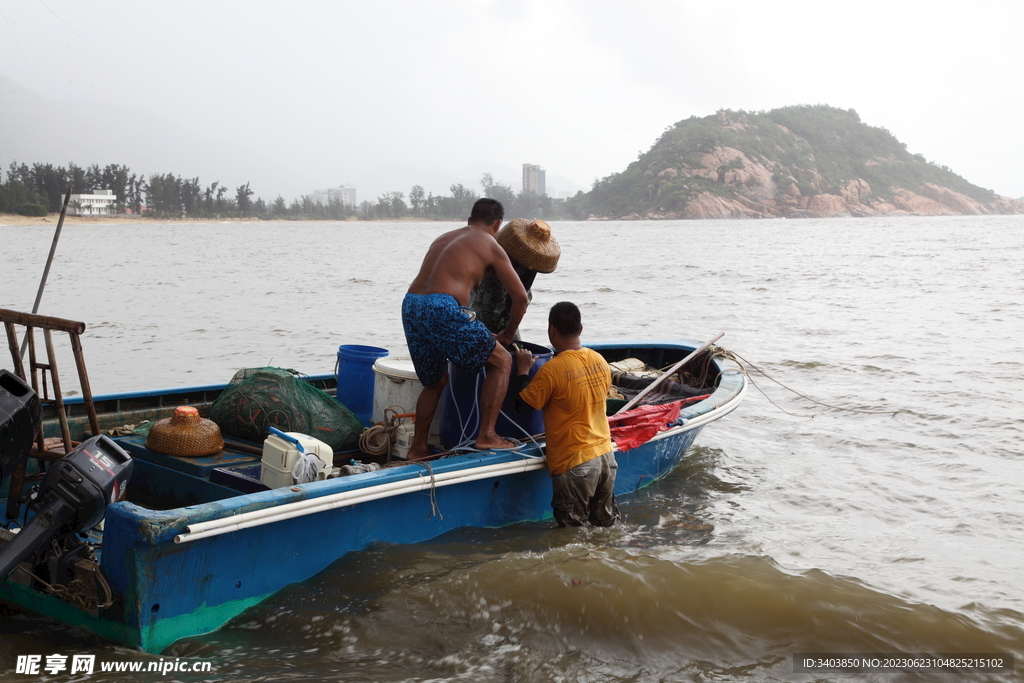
<point x="20" y="417"/>
<point x="72" y="497"/>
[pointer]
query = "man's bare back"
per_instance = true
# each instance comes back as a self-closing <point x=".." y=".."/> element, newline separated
<point x="456" y="263"/>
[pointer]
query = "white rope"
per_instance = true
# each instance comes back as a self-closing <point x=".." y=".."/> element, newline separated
<point x="468" y="443"/>
<point x="743" y="363"/>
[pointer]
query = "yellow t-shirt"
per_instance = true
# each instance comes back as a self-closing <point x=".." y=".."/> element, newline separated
<point x="571" y="391"/>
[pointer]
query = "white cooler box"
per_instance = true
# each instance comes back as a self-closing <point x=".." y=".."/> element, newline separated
<point x="280" y="456"/>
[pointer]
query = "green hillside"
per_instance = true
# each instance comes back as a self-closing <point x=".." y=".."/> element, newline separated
<point x="773" y="163"/>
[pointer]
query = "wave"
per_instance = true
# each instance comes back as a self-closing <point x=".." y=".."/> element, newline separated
<point x="583" y="610"/>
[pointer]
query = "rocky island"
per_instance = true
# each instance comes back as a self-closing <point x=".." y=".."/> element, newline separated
<point x="794" y="162"/>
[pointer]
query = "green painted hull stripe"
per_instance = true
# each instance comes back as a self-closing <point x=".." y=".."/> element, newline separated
<point x="157" y="636"/>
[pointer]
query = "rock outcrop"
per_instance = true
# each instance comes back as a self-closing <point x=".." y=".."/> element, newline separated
<point x="707" y="205"/>
<point x="757" y="195"/>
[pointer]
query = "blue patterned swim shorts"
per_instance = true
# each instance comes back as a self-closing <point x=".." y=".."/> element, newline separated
<point x="438" y="329"/>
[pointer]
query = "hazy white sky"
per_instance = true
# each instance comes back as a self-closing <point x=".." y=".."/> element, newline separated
<point x="350" y="91"/>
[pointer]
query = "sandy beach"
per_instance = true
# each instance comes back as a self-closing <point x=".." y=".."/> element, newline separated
<point x="14" y="220"/>
<point x="51" y="219"/>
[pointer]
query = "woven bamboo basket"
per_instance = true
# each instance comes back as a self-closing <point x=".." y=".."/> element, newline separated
<point x="185" y="435"/>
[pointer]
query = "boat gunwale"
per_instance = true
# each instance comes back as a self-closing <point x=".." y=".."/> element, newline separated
<point x="164" y="525"/>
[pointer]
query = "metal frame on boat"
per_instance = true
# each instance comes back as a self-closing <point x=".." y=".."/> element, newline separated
<point x="180" y="572"/>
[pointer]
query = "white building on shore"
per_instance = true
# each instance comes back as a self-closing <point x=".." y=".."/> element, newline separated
<point x="99" y="203"/>
<point x="346" y="194"/>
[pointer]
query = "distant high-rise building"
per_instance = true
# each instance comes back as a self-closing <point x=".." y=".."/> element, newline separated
<point x="346" y="194"/>
<point x="534" y="179"/>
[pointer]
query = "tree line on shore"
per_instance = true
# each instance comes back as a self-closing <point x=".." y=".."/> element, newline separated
<point x="39" y="189"/>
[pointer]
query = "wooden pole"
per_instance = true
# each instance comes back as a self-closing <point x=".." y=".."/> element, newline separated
<point x="633" y="401"/>
<point x="83" y="380"/>
<point x="49" y="260"/>
<point x="12" y="343"/>
<point x="58" y="397"/>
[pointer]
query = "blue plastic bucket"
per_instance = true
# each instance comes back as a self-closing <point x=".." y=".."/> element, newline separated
<point x="460" y="404"/>
<point x="355" y="378"/>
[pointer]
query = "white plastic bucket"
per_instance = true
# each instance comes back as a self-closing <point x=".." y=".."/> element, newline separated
<point x="396" y="384"/>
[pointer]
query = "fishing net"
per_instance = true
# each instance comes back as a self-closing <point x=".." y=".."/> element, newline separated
<point x="257" y="399"/>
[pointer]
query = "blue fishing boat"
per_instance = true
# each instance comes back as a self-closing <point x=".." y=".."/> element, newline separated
<point x="195" y="541"/>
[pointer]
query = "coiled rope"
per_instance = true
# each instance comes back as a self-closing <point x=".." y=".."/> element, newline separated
<point x="377" y="439"/>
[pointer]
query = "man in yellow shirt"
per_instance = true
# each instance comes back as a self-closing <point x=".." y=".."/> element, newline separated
<point x="571" y="391"/>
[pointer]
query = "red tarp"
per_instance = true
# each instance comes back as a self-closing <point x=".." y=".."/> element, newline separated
<point x="637" y="426"/>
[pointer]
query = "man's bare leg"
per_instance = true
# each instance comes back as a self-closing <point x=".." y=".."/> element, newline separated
<point x="492" y="393"/>
<point x="426" y="405"/>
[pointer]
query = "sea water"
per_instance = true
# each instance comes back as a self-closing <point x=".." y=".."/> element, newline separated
<point x="791" y="527"/>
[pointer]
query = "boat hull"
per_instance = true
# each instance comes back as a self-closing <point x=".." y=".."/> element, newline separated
<point x="171" y="580"/>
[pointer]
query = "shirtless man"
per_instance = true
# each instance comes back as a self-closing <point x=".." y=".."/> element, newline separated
<point x="438" y="325"/>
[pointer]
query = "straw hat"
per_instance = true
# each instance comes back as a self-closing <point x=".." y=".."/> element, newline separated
<point x="530" y="243"/>
<point x="185" y="434"/>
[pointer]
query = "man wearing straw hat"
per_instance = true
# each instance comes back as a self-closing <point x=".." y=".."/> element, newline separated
<point x="440" y="326"/>
<point x="532" y="250"/>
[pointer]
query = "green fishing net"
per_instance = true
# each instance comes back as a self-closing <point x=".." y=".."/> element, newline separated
<point x="257" y="399"/>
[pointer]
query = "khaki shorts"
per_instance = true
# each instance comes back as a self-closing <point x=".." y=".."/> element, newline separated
<point x="586" y="493"/>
